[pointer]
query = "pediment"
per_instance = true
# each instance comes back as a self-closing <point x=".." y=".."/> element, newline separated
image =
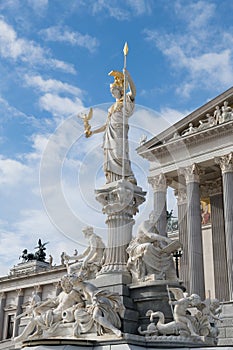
<point x="203" y="118"/>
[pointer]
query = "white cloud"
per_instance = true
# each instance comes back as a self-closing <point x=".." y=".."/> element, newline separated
<point x="12" y="47"/>
<point x="51" y="85"/>
<point x="60" y="106"/>
<point x="197" y="14"/>
<point x="200" y="51"/>
<point x="140" y="7"/>
<point x="122" y="10"/>
<point x="12" y="172"/>
<point x="64" y="34"/>
<point x="38" y="5"/>
<point x="112" y="9"/>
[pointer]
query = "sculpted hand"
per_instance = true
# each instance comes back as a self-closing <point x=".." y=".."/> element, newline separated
<point x="88" y="133"/>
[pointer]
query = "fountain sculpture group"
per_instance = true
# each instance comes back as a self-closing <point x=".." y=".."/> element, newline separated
<point x="143" y="265"/>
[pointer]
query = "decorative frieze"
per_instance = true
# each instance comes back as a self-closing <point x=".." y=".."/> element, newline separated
<point x="220" y="116"/>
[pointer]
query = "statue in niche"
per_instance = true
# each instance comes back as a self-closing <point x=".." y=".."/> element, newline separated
<point x="91" y="259"/>
<point x="150" y="254"/>
<point x="114" y="130"/>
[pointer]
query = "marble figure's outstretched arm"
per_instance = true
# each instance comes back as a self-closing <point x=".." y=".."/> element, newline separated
<point x="132" y="87"/>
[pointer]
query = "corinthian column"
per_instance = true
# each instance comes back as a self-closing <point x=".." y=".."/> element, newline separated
<point x="183" y="238"/>
<point x="213" y="190"/>
<point x="226" y="165"/>
<point x="194" y="233"/>
<point x="159" y="185"/>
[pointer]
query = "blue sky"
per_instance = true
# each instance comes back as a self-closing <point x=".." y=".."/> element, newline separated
<point x="55" y="57"/>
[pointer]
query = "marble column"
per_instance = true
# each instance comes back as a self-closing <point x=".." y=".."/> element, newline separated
<point x="159" y="185"/>
<point x="219" y="242"/>
<point x="120" y="201"/>
<point x="183" y="238"/>
<point x="20" y="297"/>
<point x="194" y="232"/>
<point x="226" y="165"/>
<point x="2" y="306"/>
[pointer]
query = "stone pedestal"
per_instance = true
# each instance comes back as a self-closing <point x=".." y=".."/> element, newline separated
<point x="152" y="295"/>
<point x="120" y="201"/>
<point x="29" y="267"/>
<point x="119" y="283"/>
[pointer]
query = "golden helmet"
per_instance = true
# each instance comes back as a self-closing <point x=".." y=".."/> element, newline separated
<point x="118" y="78"/>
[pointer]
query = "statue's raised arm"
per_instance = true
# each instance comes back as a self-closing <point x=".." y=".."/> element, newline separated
<point x="132" y="87"/>
<point x="117" y="164"/>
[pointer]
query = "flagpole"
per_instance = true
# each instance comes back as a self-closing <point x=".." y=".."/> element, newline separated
<point x="125" y="50"/>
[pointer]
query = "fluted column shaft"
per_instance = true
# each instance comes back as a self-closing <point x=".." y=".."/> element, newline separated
<point x="120" y="233"/>
<point x="183" y="238"/>
<point x="120" y="202"/>
<point x="226" y="165"/>
<point x="159" y="185"/>
<point x="194" y="232"/>
<point x="219" y="247"/>
<point x="2" y="306"/>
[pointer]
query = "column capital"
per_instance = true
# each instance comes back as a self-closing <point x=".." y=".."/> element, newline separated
<point x="158" y="183"/>
<point x="181" y="196"/>
<point x="2" y="295"/>
<point x="225" y="163"/>
<point x="20" y="292"/>
<point x="191" y="173"/>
